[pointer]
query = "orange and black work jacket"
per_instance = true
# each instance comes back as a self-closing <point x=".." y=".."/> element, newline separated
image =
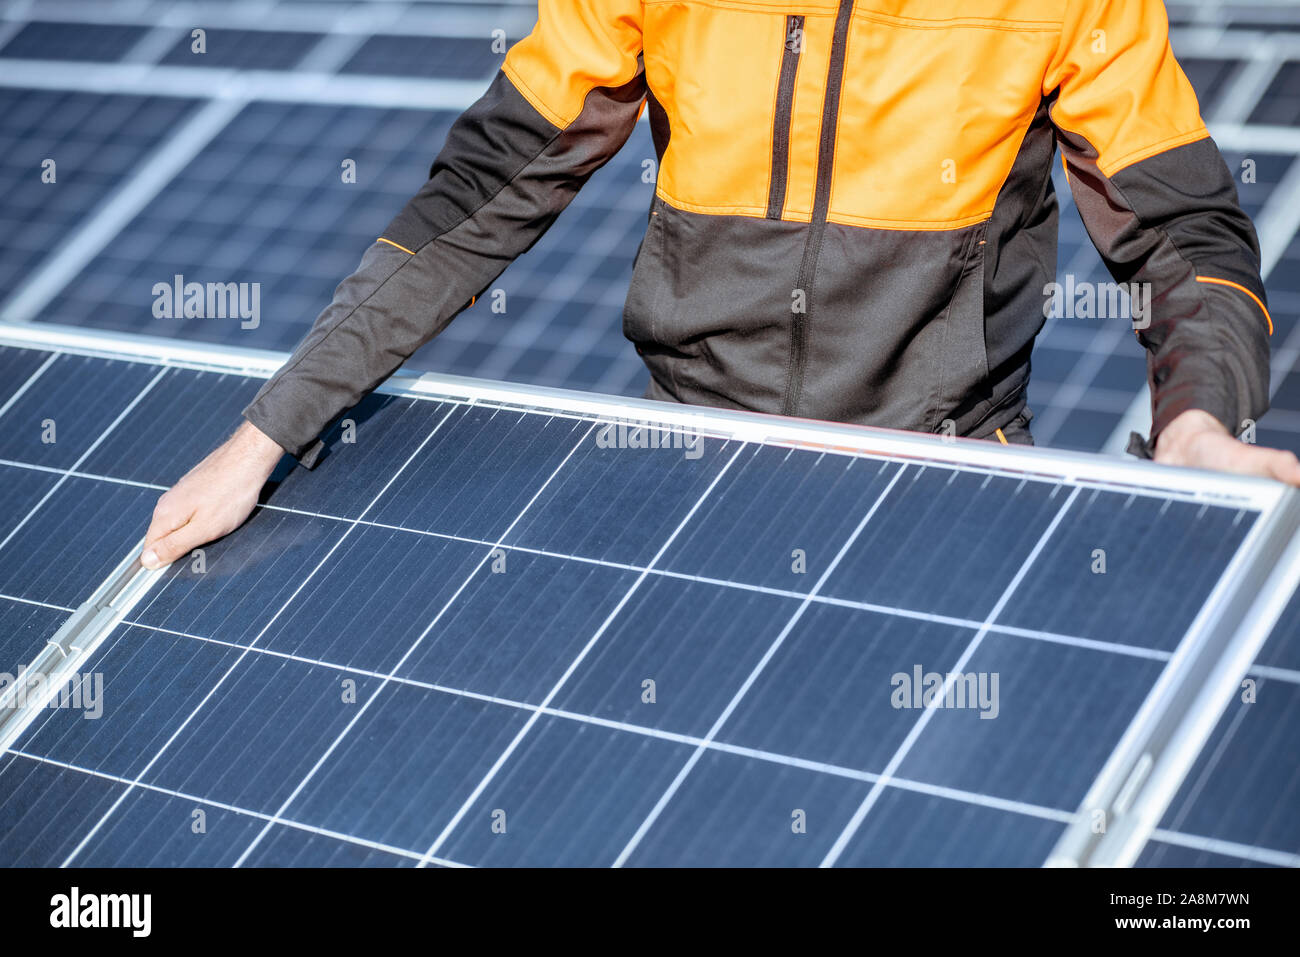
<point x="854" y="216"/>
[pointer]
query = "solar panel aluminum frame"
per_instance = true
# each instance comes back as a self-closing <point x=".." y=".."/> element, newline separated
<point x="1162" y="742"/>
<point x="74" y="644"/>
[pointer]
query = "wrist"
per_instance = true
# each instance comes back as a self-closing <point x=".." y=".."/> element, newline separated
<point x="1178" y="438"/>
<point x="253" y="443"/>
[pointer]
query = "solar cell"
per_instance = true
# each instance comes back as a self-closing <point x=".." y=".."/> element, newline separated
<point x="477" y="634"/>
<point x="53" y="40"/>
<point x="457" y="58"/>
<point x="243" y="49"/>
<point x="1280" y="103"/>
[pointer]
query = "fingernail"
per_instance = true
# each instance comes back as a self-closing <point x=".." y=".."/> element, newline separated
<point x="149" y="559"/>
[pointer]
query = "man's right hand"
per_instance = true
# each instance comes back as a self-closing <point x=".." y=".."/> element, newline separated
<point x="213" y="498"/>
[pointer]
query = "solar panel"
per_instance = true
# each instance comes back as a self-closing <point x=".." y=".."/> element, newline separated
<point x="94" y="141"/>
<point x="499" y="625"/>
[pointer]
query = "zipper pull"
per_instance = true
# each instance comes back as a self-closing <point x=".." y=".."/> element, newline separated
<point x="794" y="34"/>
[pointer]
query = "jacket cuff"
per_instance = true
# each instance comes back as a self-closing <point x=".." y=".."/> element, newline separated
<point x="304" y="454"/>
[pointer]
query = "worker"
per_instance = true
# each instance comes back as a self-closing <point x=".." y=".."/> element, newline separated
<point x="854" y="220"/>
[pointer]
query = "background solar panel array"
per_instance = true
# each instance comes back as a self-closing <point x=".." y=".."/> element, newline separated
<point x="264" y="201"/>
<point x="520" y="689"/>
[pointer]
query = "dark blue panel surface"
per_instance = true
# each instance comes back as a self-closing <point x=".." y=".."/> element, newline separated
<point x="407" y="766"/>
<point x="1155" y="552"/>
<point x="514" y="632"/>
<point x="1282" y="650"/>
<point x="907" y="829"/>
<point x="75" y="540"/>
<point x="459" y="58"/>
<point x="17" y="366"/>
<point x="52" y="40"/>
<point x="474" y="477"/>
<point x="1245" y="786"/>
<point x="21" y="491"/>
<point x="265" y="202"/>
<point x="182" y="418"/>
<point x="771" y="503"/>
<point x="573" y="795"/>
<point x="1051" y="700"/>
<point x="24" y="630"/>
<point x="244" y="49"/>
<point x="294" y="847"/>
<point x="382" y="432"/>
<point x="1208" y="76"/>
<point x="739" y="812"/>
<point x="620" y="505"/>
<point x="44" y="810"/>
<point x="251" y="744"/>
<point x="374" y="598"/>
<point x="696" y="642"/>
<point x="96" y="141"/>
<point x="82" y="397"/>
<point x="303" y="722"/>
<point x="946" y="542"/>
<point x="246" y="579"/>
<point x="182" y="833"/>
<point x="1159" y="853"/>
<point x="151" y="683"/>
<point x="825" y="695"/>
<point x="1280" y="103"/>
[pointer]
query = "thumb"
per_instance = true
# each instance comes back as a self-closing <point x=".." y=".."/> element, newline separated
<point x="167" y="549"/>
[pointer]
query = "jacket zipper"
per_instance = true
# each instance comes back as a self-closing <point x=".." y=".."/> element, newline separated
<point x="784" y="108"/>
<point x="821" y="205"/>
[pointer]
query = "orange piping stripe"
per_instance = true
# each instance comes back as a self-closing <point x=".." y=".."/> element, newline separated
<point x="1233" y="285"/>
<point x="381" y="239"/>
<point x="1002" y="438"/>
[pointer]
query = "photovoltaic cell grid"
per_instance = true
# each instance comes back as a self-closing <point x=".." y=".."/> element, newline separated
<point x="95" y="142"/>
<point x="97" y="43"/>
<point x="243" y="49"/>
<point x="455" y="617"/>
<point x="458" y="58"/>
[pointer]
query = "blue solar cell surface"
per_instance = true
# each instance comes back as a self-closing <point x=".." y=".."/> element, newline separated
<point x="243" y="49"/>
<point x="473" y="635"/>
<point x="49" y="40"/>
<point x="456" y="58"/>
<point x="95" y="142"/>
